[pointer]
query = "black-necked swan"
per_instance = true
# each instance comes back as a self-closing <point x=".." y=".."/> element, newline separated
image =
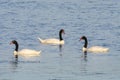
<point x="94" y="49"/>
<point x="54" y="41"/>
<point x="24" y="52"/>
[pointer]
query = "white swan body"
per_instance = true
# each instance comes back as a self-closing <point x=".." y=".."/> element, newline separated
<point x="24" y="52"/>
<point x="51" y="41"/>
<point x="27" y="53"/>
<point x="54" y="41"/>
<point x="94" y="49"/>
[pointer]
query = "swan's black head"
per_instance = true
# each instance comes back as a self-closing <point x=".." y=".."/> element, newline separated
<point x="62" y="31"/>
<point x="13" y="42"/>
<point x="16" y="44"/>
<point x="83" y="38"/>
<point x="86" y="42"/>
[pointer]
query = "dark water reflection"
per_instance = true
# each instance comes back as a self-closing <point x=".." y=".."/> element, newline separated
<point x="85" y="55"/>
<point x="60" y="49"/>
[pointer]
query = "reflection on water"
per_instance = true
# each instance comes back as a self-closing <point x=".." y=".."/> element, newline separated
<point x="83" y="66"/>
<point x="14" y="64"/>
<point x="84" y="62"/>
<point x="84" y="55"/>
<point x="60" y="49"/>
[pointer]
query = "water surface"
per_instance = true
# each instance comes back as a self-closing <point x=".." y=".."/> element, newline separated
<point x="26" y="20"/>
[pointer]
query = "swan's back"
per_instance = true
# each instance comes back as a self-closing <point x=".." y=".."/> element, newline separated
<point x="97" y="49"/>
<point x="52" y="41"/>
<point x="29" y="52"/>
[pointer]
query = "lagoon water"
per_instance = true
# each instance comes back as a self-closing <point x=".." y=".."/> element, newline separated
<point x="26" y="20"/>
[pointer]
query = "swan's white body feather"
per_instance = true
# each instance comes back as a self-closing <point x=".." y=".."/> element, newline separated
<point x="96" y="49"/>
<point x="27" y="53"/>
<point x="52" y="41"/>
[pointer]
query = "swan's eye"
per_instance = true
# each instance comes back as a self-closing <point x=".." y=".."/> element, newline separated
<point x="13" y="41"/>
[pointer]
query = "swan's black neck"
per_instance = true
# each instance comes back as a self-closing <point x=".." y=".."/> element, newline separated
<point x="60" y="35"/>
<point x="16" y="46"/>
<point x="86" y="42"/>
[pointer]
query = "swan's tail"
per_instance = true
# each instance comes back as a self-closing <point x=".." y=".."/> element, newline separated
<point x="107" y="49"/>
<point x="39" y="52"/>
<point x="40" y="40"/>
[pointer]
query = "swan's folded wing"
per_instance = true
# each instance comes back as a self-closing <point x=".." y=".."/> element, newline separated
<point x="52" y="41"/>
<point x="29" y="52"/>
<point x="98" y="49"/>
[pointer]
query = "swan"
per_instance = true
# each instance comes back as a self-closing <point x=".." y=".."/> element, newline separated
<point x="24" y="52"/>
<point x="54" y="41"/>
<point x="94" y="49"/>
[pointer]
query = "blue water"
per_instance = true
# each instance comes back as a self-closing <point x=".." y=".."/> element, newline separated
<point x="26" y="20"/>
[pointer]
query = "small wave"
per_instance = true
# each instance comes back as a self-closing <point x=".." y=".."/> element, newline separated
<point x="5" y="61"/>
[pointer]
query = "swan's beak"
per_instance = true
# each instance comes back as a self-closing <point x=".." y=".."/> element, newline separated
<point x="11" y="42"/>
<point x="80" y="39"/>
